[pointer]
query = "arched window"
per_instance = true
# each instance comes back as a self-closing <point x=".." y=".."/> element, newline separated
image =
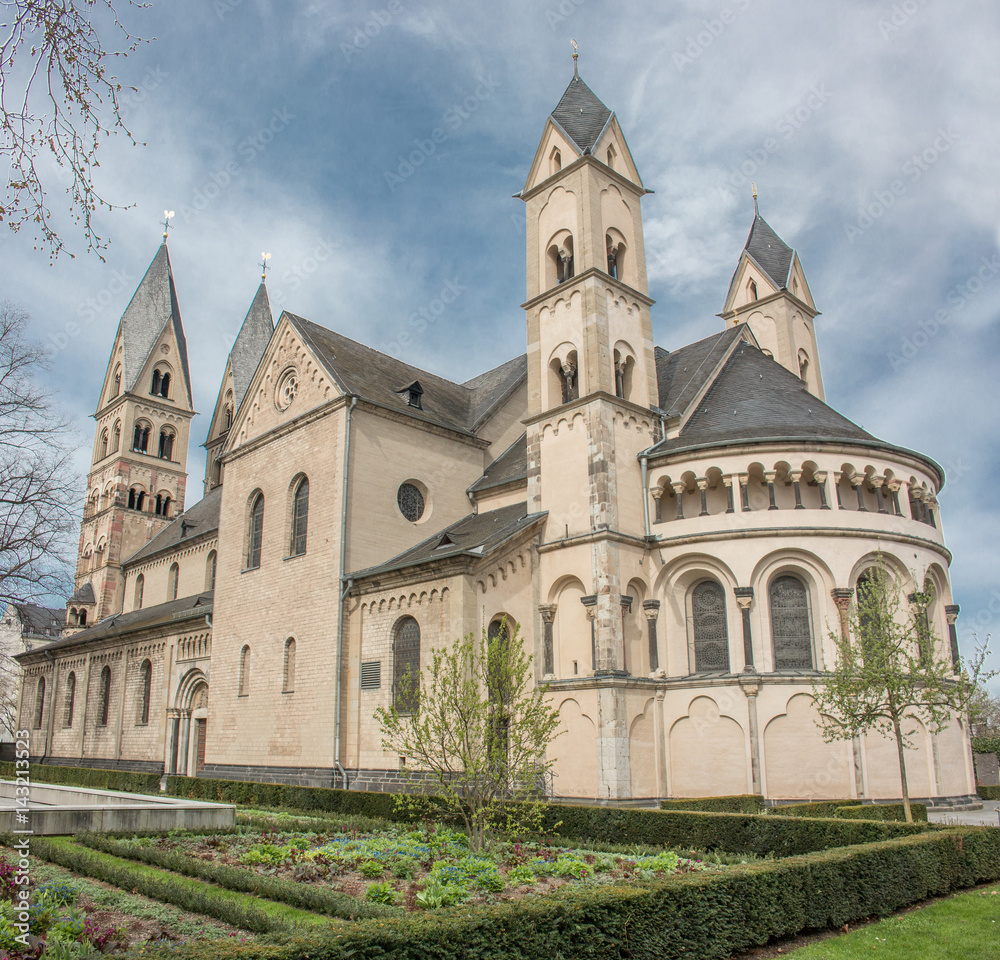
<point x="611" y="157"/>
<point x="561" y="266"/>
<point x="173" y="578"/>
<point x="255" y="531"/>
<point x="803" y="366"/>
<point x="498" y="691"/>
<point x="116" y="436"/>
<point x="288" y="667"/>
<point x="145" y="690"/>
<point x="139" y="583"/>
<point x="39" y="702"/>
<point x="709" y="628"/>
<point x="244" y="687"/>
<point x="104" y="697"/>
<point x="82" y="618"/>
<point x="406" y="666"/>
<point x="210" y="570"/>
<point x="791" y="631"/>
<point x="104" y="445"/>
<point x="140" y="500"/>
<point x="227" y="416"/>
<point x="155" y="386"/>
<point x="752" y="289"/>
<point x="165" y="385"/>
<point x="300" y="517"/>
<point x="140" y="437"/>
<point x="69" y="699"/>
<point x="116" y="385"/>
<point x="555" y="161"/>
<point x="166" y="449"/>
<point x="131" y="498"/>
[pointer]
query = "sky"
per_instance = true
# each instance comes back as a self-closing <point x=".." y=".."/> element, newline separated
<point x="307" y="130"/>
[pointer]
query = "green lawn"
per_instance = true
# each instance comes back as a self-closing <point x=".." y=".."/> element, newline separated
<point x="963" y="927"/>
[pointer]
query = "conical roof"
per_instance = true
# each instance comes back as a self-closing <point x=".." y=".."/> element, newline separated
<point x="251" y="342"/>
<point x="581" y="114"/>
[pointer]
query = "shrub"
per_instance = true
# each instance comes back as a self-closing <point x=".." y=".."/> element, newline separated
<point x="380" y="893"/>
<point x="371" y="870"/>
<point x="988" y="793"/>
<point x="819" y="808"/>
<point x="100" y="779"/>
<point x="986" y="745"/>
<point x="742" y="803"/>
<point x="883" y="811"/>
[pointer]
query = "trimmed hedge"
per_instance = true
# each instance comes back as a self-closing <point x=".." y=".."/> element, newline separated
<point x="704" y="916"/>
<point x="988" y="793"/>
<point x="741" y="803"/>
<point x="820" y="808"/>
<point x="986" y="745"/>
<point x="88" y="777"/>
<point x="883" y="811"/>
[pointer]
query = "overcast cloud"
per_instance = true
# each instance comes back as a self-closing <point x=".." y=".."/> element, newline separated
<point x="870" y="130"/>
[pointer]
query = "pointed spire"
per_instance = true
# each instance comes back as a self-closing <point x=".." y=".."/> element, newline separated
<point x="580" y="113"/>
<point x="768" y="249"/>
<point x="252" y="340"/>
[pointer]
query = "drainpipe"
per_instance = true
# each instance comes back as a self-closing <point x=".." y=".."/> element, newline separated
<point x="347" y="584"/>
<point x="52" y="703"/>
<point x="644" y="463"/>
<point x="472" y="499"/>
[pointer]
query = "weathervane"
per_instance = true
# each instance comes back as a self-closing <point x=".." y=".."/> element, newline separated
<point x="263" y="266"/>
<point x="167" y="214"/>
<point x="753" y="190"/>
<point x="576" y="56"/>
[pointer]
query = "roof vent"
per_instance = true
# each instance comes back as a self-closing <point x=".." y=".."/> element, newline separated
<point x="412" y="394"/>
<point x="445" y="541"/>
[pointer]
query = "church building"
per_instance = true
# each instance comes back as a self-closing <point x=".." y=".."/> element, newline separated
<point x="676" y="533"/>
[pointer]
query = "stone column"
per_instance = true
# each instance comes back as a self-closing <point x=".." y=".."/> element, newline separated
<point x="548" y="612"/>
<point x="951" y="612"/>
<point x="730" y="506"/>
<point x="858" y="483"/>
<point x="657" y="493"/>
<point x="702" y="483"/>
<point x="185" y="740"/>
<point x="744" y="479"/>
<point x="820" y="478"/>
<point x="173" y="729"/>
<point x="894" y="486"/>
<point x="652" y="610"/>
<point x="878" y="483"/>
<point x="660" y="734"/>
<point x="751" y="687"/>
<point x="626" y="603"/>
<point x="836" y="487"/>
<point x="591" y="604"/>
<point x="770" y="477"/>
<point x="744" y="599"/>
<point x="842" y="597"/>
<point x="796" y="481"/>
<point x="931" y="505"/>
<point x="678" y="489"/>
<point x="916" y="507"/>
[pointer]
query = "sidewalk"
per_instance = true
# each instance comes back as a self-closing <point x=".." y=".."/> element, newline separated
<point x="988" y="816"/>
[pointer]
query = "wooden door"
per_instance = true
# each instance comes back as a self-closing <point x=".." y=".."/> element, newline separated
<point x="200" y="730"/>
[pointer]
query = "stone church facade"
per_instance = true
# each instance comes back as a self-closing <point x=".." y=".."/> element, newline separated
<point x="675" y="533"/>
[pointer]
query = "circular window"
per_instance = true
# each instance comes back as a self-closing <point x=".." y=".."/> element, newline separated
<point x="285" y="392"/>
<point x="411" y="502"/>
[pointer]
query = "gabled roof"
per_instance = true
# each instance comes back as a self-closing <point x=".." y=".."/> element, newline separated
<point x="682" y="373"/>
<point x="511" y="465"/>
<point x="251" y="342"/>
<point x="581" y="114"/>
<point x="756" y="398"/>
<point x="366" y="373"/>
<point x="39" y="621"/>
<point x="186" y="608"/>
<point x="85" y="594"/>
<point x="152" y="308"/>
<point x="200" y="519"/>
<point x="475" y="536"/>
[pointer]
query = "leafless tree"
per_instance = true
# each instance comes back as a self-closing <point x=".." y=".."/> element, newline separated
<point x="57" y="100"/>
<point x="38" y="487"/>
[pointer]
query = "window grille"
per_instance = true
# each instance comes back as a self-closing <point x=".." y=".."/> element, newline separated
<point x="406" y="666"/>
<point x="790" y="628"/>
<point x="300" y="518"/>
<point x="711" y="634"/>
<point x="410" y="501"/>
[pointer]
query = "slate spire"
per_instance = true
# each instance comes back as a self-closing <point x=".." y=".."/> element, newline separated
<point x="251" y="341"/>
<point x="771" y="252"/>
<point x="581" y="114"/>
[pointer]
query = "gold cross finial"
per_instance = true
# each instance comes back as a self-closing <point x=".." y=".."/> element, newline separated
<point x="576" y="56"/>
<point x="167" y="215"/>
<point x="263" y="266"/>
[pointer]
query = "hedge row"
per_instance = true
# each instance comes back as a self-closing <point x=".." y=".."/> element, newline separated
<point x="305" y="896"/>
<point x="883" y="811"/>
<point x="742" y="803"/>
<point x="988" y="793"/>
<point x="88" y="777"/>
<point x="703" y="916"/>
<point x="236" y="909"/>
<point x="819" y="808"/>
<point x="986" y="745"/>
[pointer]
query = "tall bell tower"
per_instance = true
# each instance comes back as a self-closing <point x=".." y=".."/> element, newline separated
<point x="591" y="387"/>
<point x="138" y="472"/>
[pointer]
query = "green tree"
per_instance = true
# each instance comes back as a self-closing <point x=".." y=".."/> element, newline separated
<point x="475" y="731"/>
<point x="890" y="670"/>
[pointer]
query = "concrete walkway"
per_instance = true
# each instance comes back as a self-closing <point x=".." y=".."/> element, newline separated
<point x="989" y="816"/>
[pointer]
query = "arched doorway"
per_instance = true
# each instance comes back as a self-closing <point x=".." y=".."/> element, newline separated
<point x="188" y="721"/>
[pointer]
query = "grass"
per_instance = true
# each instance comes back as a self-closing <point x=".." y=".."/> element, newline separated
<point x="963" y="927"/>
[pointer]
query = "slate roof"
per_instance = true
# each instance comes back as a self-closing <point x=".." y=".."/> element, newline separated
<point x="682" y="373"/>
<point x="186" y="608"/>
<point x="39" y="621"/>
<point x="251" y="342"/>
<point x="200" y="519"/>
<point x="85" y="594"/>
<point x="475" y="536"/>
<point x="581" y="114"/>
<point x="153" y="306"/>
<point x="511" y="465"/>
<point x="770" y="251"/>
<point x="367" y="373"/>
<point x="755" y="398"/>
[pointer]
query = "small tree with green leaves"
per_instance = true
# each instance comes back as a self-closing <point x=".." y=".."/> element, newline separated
<point x="890" y="670"/>
<point x="474" y="728"/>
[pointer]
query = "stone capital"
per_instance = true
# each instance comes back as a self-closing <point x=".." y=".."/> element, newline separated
<point x="842" y="596"/>
<point x="820" y="476"/>
<point x="728" y="480"/>
<point x="744" y="478"/>
<point x="679" y="488"/>
<point x="626" y="602"/>
<point x="796" y="476"/>
<point x="877" y="482"/>
<point x="702" y="483"/>
<point x="744" y="597"/>
<point x="750" y="683"/>
<point x="651" y="608"/>
<point x="548" y="611"/>
<point x="856" y="480"/>
<point x="951" y="612"/>
<point x="770" y="475"/>
<point x="590" y="603"/>
<point x="657" y="492"/>
<point x="894" y="485"/>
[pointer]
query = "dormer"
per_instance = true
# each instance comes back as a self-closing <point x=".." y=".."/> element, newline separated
<point x="411" y="394"/>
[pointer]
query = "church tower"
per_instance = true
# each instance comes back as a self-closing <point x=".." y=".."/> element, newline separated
<point x="249" y="347"/>
<point x="591" y="387"/>
<point x="770" y="295"/>
<point x="138" y="473"/>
